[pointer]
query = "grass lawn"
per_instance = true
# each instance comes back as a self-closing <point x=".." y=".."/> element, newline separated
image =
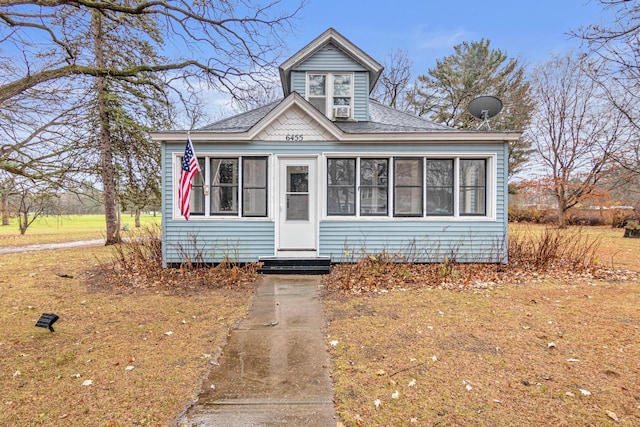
<point x="143" y="352"/>
<point x="66" y="228"/>
<point x="549" y="351"/>
<point x="538" y="350"/>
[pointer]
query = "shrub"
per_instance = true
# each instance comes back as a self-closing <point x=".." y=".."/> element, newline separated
<point x="620" y="218"/>
<point x="586" y="218"/>
<point x="553" y="248"/>
<point x="137" y="262"/>
<point x="550" y="250"/>
<point x="532" y="215"/>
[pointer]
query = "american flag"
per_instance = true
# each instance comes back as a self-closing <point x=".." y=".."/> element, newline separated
<point x="189" y="168"/>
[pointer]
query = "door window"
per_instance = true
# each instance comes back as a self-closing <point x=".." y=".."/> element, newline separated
<point x="297" y="193"/>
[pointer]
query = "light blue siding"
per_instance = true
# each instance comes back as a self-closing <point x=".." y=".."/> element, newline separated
<point x="424" y="239"/>
<point x="205" y="240"/>
<point x="413" y="241"/>
<point x="330" y="58"/>
<point x="361" y="96"/>
<point x="299" y="83"/>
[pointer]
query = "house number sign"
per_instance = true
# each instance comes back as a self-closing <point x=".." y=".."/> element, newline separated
<point x="294" y="137"/>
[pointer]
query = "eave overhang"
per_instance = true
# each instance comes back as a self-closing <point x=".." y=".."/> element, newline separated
<point x="458" y="137"/>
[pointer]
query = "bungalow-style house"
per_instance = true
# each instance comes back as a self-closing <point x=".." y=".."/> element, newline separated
<point x="328" y="172"/>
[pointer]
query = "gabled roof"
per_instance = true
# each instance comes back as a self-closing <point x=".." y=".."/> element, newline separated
<point x="383" y="120"/>
<point x="322" y="123"/>
<point x="240" y="122"/>
<point x="341" y="42"/>
<point x="387" y="125"/>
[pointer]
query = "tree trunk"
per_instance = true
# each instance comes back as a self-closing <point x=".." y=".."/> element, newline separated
<point x="562" y="213"/>
<point x="106" y="155"/>
<point x="4" y="206"/>
<point x="137" y="217"/>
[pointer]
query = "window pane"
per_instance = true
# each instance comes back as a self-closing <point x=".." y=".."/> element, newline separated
<point x="407" y="178"/>
<point x="224" y="200"/>
<point x="408" y="201"/>
<point x="254" y="186"/>
<point x="341" y="201"/>
<point x="197" y="201"/>
<point x="297" y="179"/>
<point x="408" y="172"/>
<point x="440" y="187"/>
<point x="342" y="85"/>
<point x="373" y="201"/>
<point x="341" y="171"/>
<point x="254" y="172"/>
<point x="473" y="187"/>
<point x="472" y="201"/>
<point x="440" y="172"/>
<point x="373" y="186"/>
<point x="224" y="186"/>
<point x="297" y="193"/>
<point x="297" y="207"/>
<point x="439" y="201"/>
<point x="317" y="85"/>
<point x="341" y="188"/>
<point x="373" y="172"/>
<point x="472" y="172"/>
<point x="254" y="202"/>
<point x="197" y="192"/>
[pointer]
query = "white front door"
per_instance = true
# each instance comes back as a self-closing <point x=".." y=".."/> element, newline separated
<point x="297" y="188"/>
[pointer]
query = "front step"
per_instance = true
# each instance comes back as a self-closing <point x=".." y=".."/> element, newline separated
<point x="273" y="265"/>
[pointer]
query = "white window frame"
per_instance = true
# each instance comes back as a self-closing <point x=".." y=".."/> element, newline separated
<point x="177" y="167"/>
<point x="329" y="87"/>
<point x="490" y="196"/>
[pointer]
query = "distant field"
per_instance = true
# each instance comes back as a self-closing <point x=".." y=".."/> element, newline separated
<point x="66" y="228"/>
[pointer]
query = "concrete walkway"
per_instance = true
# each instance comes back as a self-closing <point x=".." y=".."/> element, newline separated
<point x="274" y="369"/>
<point x="45" y="246"/>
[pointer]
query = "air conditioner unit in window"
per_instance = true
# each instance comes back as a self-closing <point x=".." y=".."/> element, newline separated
<point x="341" y="112"/>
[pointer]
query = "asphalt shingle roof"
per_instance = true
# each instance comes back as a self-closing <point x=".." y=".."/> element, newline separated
<point x="383" y="120"/>
<point x="240" y="122"/>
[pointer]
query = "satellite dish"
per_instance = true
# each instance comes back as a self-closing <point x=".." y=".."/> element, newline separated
<point x="485" y="107"/>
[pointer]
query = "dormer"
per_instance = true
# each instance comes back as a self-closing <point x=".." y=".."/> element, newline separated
<point x="334" y="75"/>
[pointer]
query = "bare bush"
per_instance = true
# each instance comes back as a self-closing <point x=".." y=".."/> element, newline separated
<point x="553" y="248"/>
<point x="552" y="252"/>
<point x="137" y="263"/>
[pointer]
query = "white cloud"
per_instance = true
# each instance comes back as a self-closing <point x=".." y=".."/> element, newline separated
<point x="438" y="40"/>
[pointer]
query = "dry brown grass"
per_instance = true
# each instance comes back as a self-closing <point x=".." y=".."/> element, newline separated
<point x="530" y="349"/>
<point x="510" y="339"/>
<point x="103" y="329"/>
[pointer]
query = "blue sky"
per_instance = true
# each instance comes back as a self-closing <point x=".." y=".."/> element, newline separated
<point x="428" y="29"/>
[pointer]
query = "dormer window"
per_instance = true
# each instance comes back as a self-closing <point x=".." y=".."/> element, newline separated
<point x="332" y="94"/>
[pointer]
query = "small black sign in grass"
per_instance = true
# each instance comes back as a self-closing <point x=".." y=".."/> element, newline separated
<point x="47" y="320"/>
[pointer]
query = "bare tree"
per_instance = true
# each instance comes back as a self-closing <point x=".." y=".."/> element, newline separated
<point x="106" y="45"/>
<point x="394" y="83"/>
<point x="259" y="94"/>
<point x="7" y="189"/>
<point x="30" y="201"/>
<point x="242" y="36"/>
<point x="613" y="49"/>
<point x="574" y="130"/>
